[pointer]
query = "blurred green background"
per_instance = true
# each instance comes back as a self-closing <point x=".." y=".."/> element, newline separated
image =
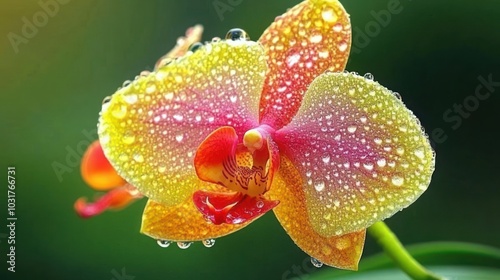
<point x="432" y="52"/>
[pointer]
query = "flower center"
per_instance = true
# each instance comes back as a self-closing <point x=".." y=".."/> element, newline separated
<point x="245" y="168"/>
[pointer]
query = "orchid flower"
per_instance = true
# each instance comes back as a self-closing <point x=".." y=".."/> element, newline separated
<point x="233" y="128"/>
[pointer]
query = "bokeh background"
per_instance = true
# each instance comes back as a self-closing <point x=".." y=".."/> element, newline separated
<point x="432" y="52"/>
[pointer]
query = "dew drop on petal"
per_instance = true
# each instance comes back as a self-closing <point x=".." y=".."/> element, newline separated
<point x="326" y="158"/>
<point x="138" y="158"/>
<point x="316" y="38"/>
<point x="328" y="14"/>
<point x="184" y="245"/>
<point x="351" y="129"/>
<point x="237" y="34"/>
<point x="120" y="112"/>
<point x="151" y="87"/>
<point x="368" y="166"/>
<point x="106" y="100"/>
<point x="208" y="243"/>
<point x="397" y="181"/>
<point x="381" y="162"/>
<point x="368" y="76"/>
<point x="419" y="152"/>
<point x="169" y="95"/>
<point x="126" y="83"/>
<point x="130" y="99"/>
<point x="178" y="118"/>
<point x="343" y="47"/>
<point x="316" y="262"/>
<point x="319" y="186"/>
<point x="260" y="204"/>
<point x="292" y="59"/>
<point x="163" y="243"/>
<point x="179" y="138"/>
<point x="338" y="27"/>
<point x="128" y="138"/>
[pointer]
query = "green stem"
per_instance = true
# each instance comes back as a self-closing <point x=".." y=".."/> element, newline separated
<point x="393" y="247"/>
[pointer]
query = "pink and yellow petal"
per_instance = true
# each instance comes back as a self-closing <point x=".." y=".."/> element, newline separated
<point x="338" y="251"/>
<point x="150" y="130"/>
<point x="308" y="39"/>
<point x="362" y="155"/>
<point x="96" y="170"/>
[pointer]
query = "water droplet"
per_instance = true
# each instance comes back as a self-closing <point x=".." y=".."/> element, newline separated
<point x="130" y="99"/>
<point x="369" y="76"/>
<point x="151" y="87"/>
<point x="184" y="245"/>
<point x="338" y="27"/>
<point x="398" y="96"/>
<point x="260" y="204"/>
<point x="196" y="46"/>
<point x="169" y="95"/>
<point x="179" y="138"/>
<point x="237" y="34"/>
<point x="368" y="166"/>
<point x="343" y="46"/>
<point x="123" y="157"/>
<point x="128" y="138"/>
<point x="126" y="83"/>
<point x="162" y="169"/>
<point x="419" y="152"/>
<point x="138" y="158"/>
<point x="215" y="39"/>
<point x="316" y="263"/>
<point x="120" y="112"/>
<point x="328" y="14"/>
<point x="208" y="243"/>
<point x="319" y="186"/>
<point x="293" y="59"/>
<point x="326" y="158"/>
<point x="381" y="162"/>
<point x="397" y="181"/>
<point x="106" y="99"/>
<point x="163" y="243"/>
<point x="352" y="129"/>
<point x="323" y="54"/>
<point x="316" y="38"/>
<point x="178" y="118"/>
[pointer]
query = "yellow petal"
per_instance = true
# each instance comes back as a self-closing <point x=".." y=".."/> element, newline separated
<point x="182" y="222"/>
<point x="151" y="129"/>
<point x="338" y="251"/>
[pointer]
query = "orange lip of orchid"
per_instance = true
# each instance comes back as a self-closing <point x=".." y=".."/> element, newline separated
<point x="234" y="128"/>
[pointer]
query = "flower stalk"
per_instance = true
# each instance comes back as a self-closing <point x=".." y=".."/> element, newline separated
<point x="396" y="251"/>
